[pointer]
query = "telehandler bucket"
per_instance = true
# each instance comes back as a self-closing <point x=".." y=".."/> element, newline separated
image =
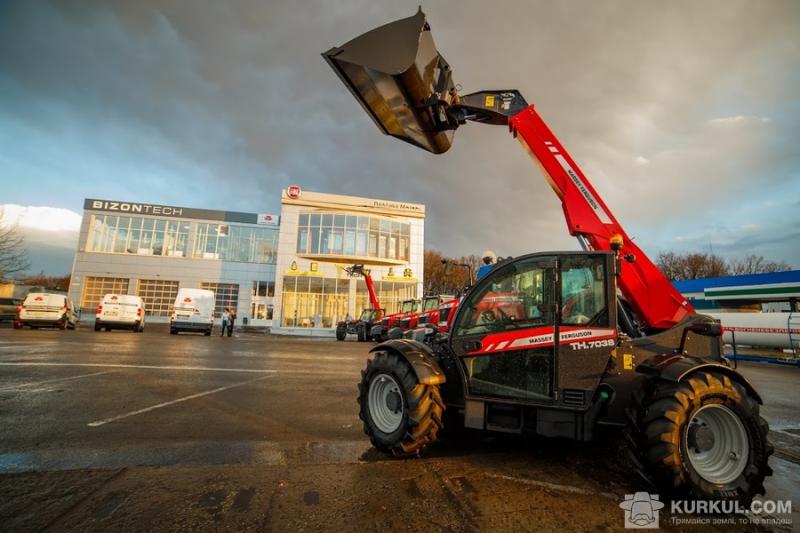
<point x="401" y="80"/>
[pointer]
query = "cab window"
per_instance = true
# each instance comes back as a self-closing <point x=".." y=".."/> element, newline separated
<point x="583" y="291"/>
<point x="518" y="296"/>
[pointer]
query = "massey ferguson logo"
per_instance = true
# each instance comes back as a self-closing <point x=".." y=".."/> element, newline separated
<point x="293" y="191"/>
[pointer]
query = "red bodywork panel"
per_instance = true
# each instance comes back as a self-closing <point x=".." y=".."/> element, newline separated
<point x="653" y="298"/>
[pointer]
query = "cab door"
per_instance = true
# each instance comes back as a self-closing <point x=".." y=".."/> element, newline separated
<point x="505" y="331"/>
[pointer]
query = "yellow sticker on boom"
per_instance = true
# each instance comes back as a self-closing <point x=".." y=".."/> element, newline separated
<point x="488" y="101"/>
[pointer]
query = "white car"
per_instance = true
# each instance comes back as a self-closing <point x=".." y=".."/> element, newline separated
<point x="46" y="309"/>
<point x="120" y="311"/>
<point x="193" y="311"/>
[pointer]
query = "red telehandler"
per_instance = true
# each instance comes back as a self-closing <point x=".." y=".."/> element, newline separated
<point x="552" y="343"/>
<point x="362" y="326"/>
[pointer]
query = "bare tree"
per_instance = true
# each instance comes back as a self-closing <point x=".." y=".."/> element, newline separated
<point x="13" y="257"/>
<point x="48" y="282"/>
<point x="442" y="280"/>
<point x="756" y="264"/>
<point x="694" y="265"/>
<point x="691" y="266"/>
<point x="670" y="264"/>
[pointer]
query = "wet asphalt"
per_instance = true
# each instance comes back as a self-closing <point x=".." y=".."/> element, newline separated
<point x="116" y="430"/>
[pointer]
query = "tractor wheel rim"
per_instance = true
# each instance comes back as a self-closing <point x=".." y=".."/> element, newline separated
<point x="384" y="409"/>
<point x="716" y="444"/>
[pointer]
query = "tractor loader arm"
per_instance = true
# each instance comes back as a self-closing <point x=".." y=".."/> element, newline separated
<point x="398" y="75"/>
<point x="656" y="303"/>
<point x="356" y="270"/>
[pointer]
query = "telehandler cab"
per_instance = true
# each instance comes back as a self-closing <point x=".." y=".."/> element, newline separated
<point x="553" y="343"/>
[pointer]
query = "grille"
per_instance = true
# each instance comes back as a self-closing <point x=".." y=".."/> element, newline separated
<point x="573" y="397"/>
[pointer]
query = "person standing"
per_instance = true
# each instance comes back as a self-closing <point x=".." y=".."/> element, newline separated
<point x="231" y="319"/>
<point x="226" y="318"/>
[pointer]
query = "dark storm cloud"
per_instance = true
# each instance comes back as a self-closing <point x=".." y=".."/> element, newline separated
<point x="670" y="108"/>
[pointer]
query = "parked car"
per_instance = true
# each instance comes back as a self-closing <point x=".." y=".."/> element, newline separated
<point x="193" y="311"/>
<point x="45" y="309"/>
<point x="11" y="297"/>
<point x="120" y="311"/>
<point x="8" y="308"/>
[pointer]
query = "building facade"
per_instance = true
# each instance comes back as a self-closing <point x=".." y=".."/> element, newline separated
<point x="286" y="272"/>
<point x="772" y="291"/>
<point x="323" y="234"/>
<point x="153" y="250"/>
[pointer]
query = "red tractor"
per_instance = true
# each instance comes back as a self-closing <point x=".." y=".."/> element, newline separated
<point x="551" y="343"/>
<point x="429" y="305"/>
<point x="389" y="326"/>
<point x="370" y="316"/>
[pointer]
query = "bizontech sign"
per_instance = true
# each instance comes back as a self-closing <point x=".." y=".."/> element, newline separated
<point x="160" y="210"/>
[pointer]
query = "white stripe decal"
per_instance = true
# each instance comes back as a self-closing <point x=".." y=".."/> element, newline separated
<point x="553" y="149"/>
<point x="590" y="199"/>
<point x="566" y="337"/>
<point x="501" y="345"/>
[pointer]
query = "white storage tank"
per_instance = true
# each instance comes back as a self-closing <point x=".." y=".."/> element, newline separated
<point x="771" y="330"/>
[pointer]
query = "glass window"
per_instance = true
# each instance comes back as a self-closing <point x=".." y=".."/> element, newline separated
<point x="246" y="244"/>
<point x="302" y="241"/>
<point x="137" y="235"/>
<point x="311" y="302"/>
<point x="263" y="288"/>
<point x="350" y="235"/>
<point x="518" y="296"/>
<point x="349" y="245"/>
<point x="583" y="291"/>
<point x="361" y="243"/>
<point x="314" y="248"/>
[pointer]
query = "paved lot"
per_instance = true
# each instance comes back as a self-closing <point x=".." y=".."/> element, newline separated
<point x="145" y="431"/>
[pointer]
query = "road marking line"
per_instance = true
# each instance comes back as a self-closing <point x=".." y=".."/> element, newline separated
<point x="554" y="486"/>
<point x="155" y="367"/>
<point x="35" y="383"/>
<point x="314" y="370"/>
<point x="172" y="402"/>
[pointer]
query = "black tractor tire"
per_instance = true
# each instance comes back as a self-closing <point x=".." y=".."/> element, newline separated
<point x="661" y="438"/>
<point x="341" y="334"/>
<point x="96" y="327"/>
<point x="173" y="331"/>
<point x="423" y="407"/>
<point x="361" y="333"/>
